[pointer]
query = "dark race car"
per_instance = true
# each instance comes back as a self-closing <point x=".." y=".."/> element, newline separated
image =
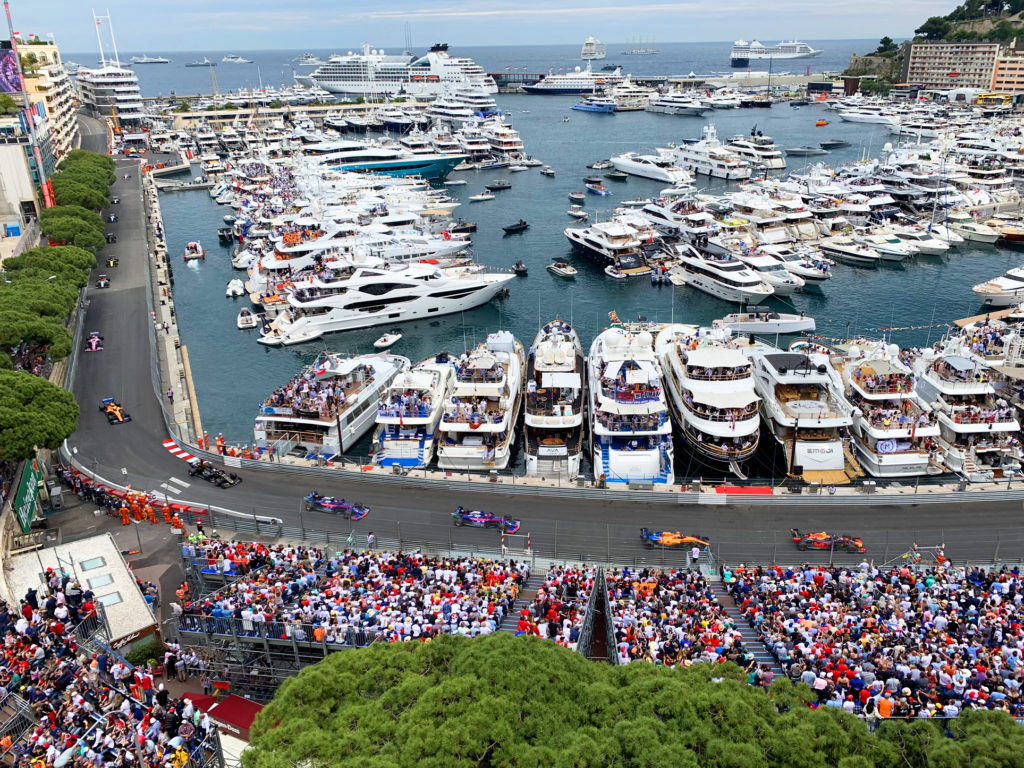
<point x="317" y="503"/>
<point x="94" y="343"/>
<point x="211" y="474"/>
<point x="669" y="539"/>
<point x="114" y="411"/>
<point x="824" y="540"/>
<point x="477" y="519"/>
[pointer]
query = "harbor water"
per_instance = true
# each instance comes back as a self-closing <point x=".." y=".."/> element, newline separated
<point x="910" y="304"/>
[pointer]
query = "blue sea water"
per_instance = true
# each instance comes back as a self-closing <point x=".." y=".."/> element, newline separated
<point x="233" y="373"/>
<point x="276" y="68"/>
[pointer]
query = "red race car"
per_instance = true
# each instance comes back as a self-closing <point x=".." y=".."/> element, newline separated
<point x="824" y="540"/>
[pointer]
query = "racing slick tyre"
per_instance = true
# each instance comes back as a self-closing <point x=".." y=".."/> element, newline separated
<point x="802" y="546"/>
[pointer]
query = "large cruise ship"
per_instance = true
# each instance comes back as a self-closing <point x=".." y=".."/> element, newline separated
<point x="592" y="50"/>
<point x="375" y="73"/>
<point x="743" y="52"/>
<point x="577" y="81"/>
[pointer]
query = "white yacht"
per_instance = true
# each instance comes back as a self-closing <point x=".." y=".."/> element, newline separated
<point x="978" y="429"/>
<point x="144" y="59"/>
<point x="409" y="412"/>
<point x="744" y="52"/>
<point x="555" y="404"/>
<point x="926" y="242"/>
<point x="326" y="408"/>
<point x="707" y="156"/>
<point x="969" y="229"/>
<point x="894" y="430"/>
<point x="719" y="275"/>
<point x="771" y="271"/>
<point x="234" y="58"/>
<point x="478" y="422"/>
<point x="592" y="50"/>
<point x="758" y="149"/>
<point x="676" y="103"/>
<point x="806" y="264"/>
<point x="651" y="167"/>
<point x="631" y="432"/>
<point x="803" y="407"/>
<point x="1006" y="290"/>
<point x="374" y="295"/>
<point x="577" y="81"/>
<point x="848" y="251"/>
<point x="610" y="243"/>
<point x="372" y="72"/>
<point x="711" y="394"/>
<point x="888" y="246"/>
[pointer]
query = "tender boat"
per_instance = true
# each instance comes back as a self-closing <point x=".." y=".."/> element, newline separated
<point x="806" y="151"/>
<point x="616" y="175"/>
<point x="547" y="170"/>
<point x="387" y="340"/>
<point x="577" y="197"/>
<point x="765" y="320"/>
<point x="612" y="271"/>
<point x="562" y="269"/>
<point x="520" y="269"/>
<point x="456" y="183"/>
<point x="591" y="179"/>
<point x="597" y="189"/>
<point x="194" y="250"/>
<point x="518" y="167"/>
<point x="247" y="319"/>
<point x="601" y="165"/>
<point x="577" y="212"/>
<point x="498" y="184"/>
<point x="833" y="144"/>
<point x="519" y="226"/>
<point x="481" y="197"/>
<point x="235" y="289"/>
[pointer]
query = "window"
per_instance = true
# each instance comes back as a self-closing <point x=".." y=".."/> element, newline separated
<point x="92" y="563"/>
<point x="108" y="600"/>
<point x="101" y="581"/>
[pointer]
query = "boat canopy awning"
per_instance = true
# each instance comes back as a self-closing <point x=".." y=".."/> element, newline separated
<point x="633" y="368"/>
<point x="720" y="399"/>
<point x="560" y="379"/>
<point x="717" y="357"/>
<point x="960" y="364"/>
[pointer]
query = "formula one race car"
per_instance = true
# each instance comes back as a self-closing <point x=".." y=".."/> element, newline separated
<point x="477" y="519"/>
<point x="317" y="503"/>
<point x="669" y="539"/>
<point x="103" y="281"/>
<point x="211" y="474"/>
<point x="823" y="540"/>
<point x="115" y="413"/>
<point x="94" y="343"/>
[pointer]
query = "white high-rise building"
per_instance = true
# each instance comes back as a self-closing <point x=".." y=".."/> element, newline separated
<point x="47" y="83"/>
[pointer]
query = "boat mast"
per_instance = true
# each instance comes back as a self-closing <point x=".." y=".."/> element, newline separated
<point x="113" y="41"/>
<point x="99" y="40"/>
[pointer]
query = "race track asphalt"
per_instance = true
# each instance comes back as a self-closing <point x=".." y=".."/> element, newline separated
<point x="560" y="527"/>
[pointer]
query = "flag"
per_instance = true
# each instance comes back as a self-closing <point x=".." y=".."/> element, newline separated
<point x="98" y="22"/>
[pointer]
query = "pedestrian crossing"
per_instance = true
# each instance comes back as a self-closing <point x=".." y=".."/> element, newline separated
<point x="172" y="446"/>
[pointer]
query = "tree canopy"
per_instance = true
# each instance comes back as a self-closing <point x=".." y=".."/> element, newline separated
<point x="71" y="229"/>
<point x="886" y="45"/>
<point x="935" y="28"/>
<point x="33" y="414"/>
<point x="508" y="701"/>
<point x="83" y="179"/>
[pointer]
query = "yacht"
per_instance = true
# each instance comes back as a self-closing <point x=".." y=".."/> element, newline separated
<point x="758" y="149"/>
<point x="149" y="60"/>
<point x="978" y="430"/>
<point x="375" y="295"/>
<point x="204" y="62"/>
<point x="326" y="408"/>
<point x="847" y="251"/>
<point x="802" y="262"/>
<point x="651" y="167"/>
<point x="676" y="103"/>
<point x="372" y="72"/>
<point x="610" y="243"/>
<point x="409" y="412"/>
<point x="234" y="58"/>
<point x="555" y="404"/>
<point x="596" y="103"/>
<point x="592" y="50"/>
<point x="720" y="275"/>
<point x="771" y="271"/>
<point x="1004" y="291"/>
<point x="888" y="246"/>
<point x="708" y="156"/>
<point x="922" y="239"/>
<point x="969" y="229"/>
<point x="711" y="394"/>
<point x="631" y="432"/>
<point x="743" y="52"/>
<point x="803" y="407"/>
<point x="894" y="431"/>
<point x="478" y="422"/>
<point x="577" y="81"/>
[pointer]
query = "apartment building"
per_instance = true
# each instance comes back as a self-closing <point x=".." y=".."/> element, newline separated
<point x="946" y="65"/>
<point x="47" y="83"/>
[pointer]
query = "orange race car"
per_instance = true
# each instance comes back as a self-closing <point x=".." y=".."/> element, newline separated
<point x="669" y="539"/>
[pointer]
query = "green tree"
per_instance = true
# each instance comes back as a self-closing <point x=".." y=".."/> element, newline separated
<point x="71" y="229"/>
<point x="501" y="700"/>
<point x="8" y="106"/>
<point x="67" y="262"/>
<point x="184" y="106"/>
<point x="70" y="192"/>
<point x="84" y="214"/>
<point x="33" y="414"/>
<point x="276" y="104"/>
<point x="935" y="28"/>
<point x="886" y="45"/>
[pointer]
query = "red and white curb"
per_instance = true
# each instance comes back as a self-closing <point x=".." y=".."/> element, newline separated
<point x="172" y="446"/>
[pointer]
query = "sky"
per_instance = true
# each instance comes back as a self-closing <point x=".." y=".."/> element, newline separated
<point x="196" y="25"/>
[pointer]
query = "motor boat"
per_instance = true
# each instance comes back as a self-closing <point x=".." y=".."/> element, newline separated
<point x="479" y="198"/>
<point x="519" y="268"/>
<point x="410" y="410"/>
<point x="519" y="226"/>
<point x="387" y="340"/>
<point x="764" y="320"/>
<point x="720" y="275"/>
<point x="577" y="197"/>
<point x="1007" y="290"/>
<point x="805" y="151"/>
<point x="498" y="184"/>
<point x="547" y="170"/>
<point x="846" y="250"/>
<point x="833" y="144"/>
<point x="577" y="212"/>
<point x="456" y="183"/>
<point x="597" y="189"/>
<point x="235" y="289"/>
<point x="562" y="269"/>
<point x="613" y="272"/>
<point x="194" y="250"/>
<point x="517" y="167"/>
<point x="247" y="319"/>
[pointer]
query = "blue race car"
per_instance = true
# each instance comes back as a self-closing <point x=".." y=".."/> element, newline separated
<point x="669" y="539"/>
<point x="332" y="506"/>
<point x="476" y="519"/>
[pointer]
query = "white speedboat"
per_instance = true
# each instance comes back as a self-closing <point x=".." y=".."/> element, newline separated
<point x="562" y="269"/>
<point x="409" y="412"/>
<point x="1006" y="290"/>
<point x="766" y="321"/>
<point x="972" y="230"/>
<point x="234" y="58"/>
<point x="387" y="340"/>
<point x="888" y="246"/>
<point x="771" y="271"/>
<point x="555" y="402"/>
<point x="481" y="197"/>
<point x="631" y="432"/>
<point x="651" y="167"/>
<point x="711" y="394"/>
<point x="328" y="406"/>
<point x="235" y="288"/>
<point x="247" y="319"/>
<point x="926" y="242"/>
<point x="848" y="251"/>
<point x="456" y="183"/>
<point x="577" y="212"/>
<point x="809" y="265"/>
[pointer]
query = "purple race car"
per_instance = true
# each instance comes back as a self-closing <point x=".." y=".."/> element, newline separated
<point x="317" y="503"/>
<point x="476" y="519"/>
<point x="94" y="343"/>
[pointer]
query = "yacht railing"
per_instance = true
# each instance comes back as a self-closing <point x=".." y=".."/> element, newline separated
<point x="646" y="423"/>
<point x="716" y="374"/>
<point x="717" y="414"/>
<point x="645" y="395"/>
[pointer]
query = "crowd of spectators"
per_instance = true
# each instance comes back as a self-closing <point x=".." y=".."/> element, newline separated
<point x="670" y="617"/>
<point x="320" y="398"/>
<point x="559" y="607"/>
<point x="89" y="709"/>
<point x="892" y="642"/>
<point x="351" y="598"/>
<point x="31" y="357"/>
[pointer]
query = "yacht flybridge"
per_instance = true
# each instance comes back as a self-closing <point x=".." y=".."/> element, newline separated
<point x="410" y="411"/>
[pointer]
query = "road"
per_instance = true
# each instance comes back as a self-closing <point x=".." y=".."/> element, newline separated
<point x="566" y="528"/>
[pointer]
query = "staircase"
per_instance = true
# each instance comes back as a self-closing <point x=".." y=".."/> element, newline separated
<point x="751" y="639"/>
<point x="523" y="600"/>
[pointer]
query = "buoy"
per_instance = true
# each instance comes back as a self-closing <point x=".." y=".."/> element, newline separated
<point x="821" y="123"/>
